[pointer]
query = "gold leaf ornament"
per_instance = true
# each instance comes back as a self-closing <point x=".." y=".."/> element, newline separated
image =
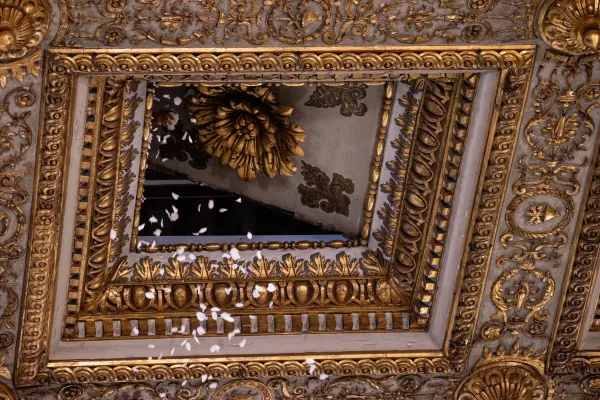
<point x="247" y="129"/>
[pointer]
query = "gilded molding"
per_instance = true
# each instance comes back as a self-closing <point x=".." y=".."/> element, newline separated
<point x="141" y="370"/>
<point x="486" y="213"/>
<point x="291" y="22"/>
<point x="32" y="366"/>
<point x="410" y="386"/>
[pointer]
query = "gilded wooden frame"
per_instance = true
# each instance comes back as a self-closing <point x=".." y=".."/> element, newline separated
<point x="62" y="67"/>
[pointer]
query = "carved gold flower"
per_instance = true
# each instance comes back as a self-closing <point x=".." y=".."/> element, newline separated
<point x="247" y="129"/>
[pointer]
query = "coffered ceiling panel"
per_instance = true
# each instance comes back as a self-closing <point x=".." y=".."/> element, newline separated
<point x="299" y="200"/>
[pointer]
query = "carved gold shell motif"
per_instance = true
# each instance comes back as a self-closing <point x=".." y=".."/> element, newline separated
<point x="23" y="24"/>
<point x="247" y="129"/>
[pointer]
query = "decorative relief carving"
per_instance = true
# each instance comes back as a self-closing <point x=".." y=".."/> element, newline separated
<point x="408" y="386"/>
<point x="571" y="26"/>
<point x="580" y="95"/>
<point x="207" y="22"/>
<point x="247" y="129"/>
<point x="322" y="192"/>
<point x="505" y="375"/>
<point x="423" y="153"/>
<point x="346" y="96"/>
<point x="16" y="138"/>
<point x="18" y="69"/>
<point x="32" y="365"/>
<point x="556" y="134"/>
<point x="486" y="212"/>
<point x="540" y="213"/>
<point x="179" y="287"/>
<point x="23" y="24"/>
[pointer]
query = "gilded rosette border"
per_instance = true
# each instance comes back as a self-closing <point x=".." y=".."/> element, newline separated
<point x="515" y="65"/>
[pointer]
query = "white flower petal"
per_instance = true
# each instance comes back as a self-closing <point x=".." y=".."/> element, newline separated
<point x="242" y="343"/>
<point x="211" y="204"/>
<point x="249" y="236"/>
<point x="271" y="288"/>
<point x="175" y="195"/>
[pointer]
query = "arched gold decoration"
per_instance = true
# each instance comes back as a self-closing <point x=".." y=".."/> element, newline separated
<point x="23" y="24"/>
<point x="516" y="374"/>
<point x="571" y="26"/>
<point x="247" y="129"/>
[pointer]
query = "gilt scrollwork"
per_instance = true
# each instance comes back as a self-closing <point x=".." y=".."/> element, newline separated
<point x="556" y="136"/>
<point x="16" y="137"/>
<point x="579" y="273"/>
<point x="404" y="386"/>
<point x="291" y="22"/>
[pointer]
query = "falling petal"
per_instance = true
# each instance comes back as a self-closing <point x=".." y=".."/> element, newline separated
<point x="211" y="204"/>
<point x="215" y="348"/>
<point x="242" y="343"/>
<point x="249" y="235"/>
<point x="113" y="234"/>
<point x="141" y="227"/>
<point x="222" y="210"/>
<point x="175" y="196"/>
<point x="149" y="295"/>
<point x="153" y="220"/>
<point x="271" y="288"/>
<point x="239" y="200"/>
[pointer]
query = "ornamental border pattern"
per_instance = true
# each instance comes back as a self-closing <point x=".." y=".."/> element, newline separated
<point x="516" y="67"/>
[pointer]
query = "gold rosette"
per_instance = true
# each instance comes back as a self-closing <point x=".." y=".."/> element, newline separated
<point x="247" y="129"/>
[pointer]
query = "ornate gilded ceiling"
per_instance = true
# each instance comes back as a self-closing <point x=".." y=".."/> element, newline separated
<point x="447" y="151"/>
